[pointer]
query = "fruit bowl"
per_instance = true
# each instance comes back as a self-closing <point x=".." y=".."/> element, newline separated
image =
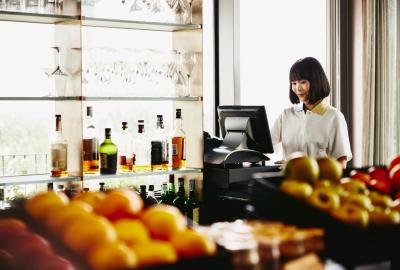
<point x="347" y="244"/>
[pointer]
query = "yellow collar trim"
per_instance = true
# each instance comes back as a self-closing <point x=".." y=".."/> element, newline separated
<point x="321" y="107"/>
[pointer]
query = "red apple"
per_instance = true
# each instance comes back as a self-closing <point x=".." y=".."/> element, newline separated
<point x="50" y="262"/>
<point x="26" y="246"/>
<point x="393" y="163"/>
<point x="362" y="176"/>
<point x="379" y="179"/>
<point x="394" y="175"/>
<point x="11" y="227"/>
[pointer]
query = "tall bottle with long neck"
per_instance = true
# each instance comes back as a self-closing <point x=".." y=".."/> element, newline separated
<point x="178" y="143"/>
<point x="126" y="157"/>
<point x="108" y="155"/>
<point x="159" y="147"/>
<point x="90" y="145"/>
<point x="142" y="149"/>
<point x="59" y="151"/>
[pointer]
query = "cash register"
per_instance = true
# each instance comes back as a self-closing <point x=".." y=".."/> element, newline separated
<point x="230" y="162"/>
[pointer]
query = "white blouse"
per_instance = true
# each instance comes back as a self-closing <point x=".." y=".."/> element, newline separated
<point x="320" y="132"/>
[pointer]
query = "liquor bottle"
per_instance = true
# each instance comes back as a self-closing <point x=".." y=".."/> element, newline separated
<point x="192" y="205"/>
<point x="164" y="192"/>
<point x="59" y="151"/>
<point x="90" y="145"/>
<point x="170" y="196"/>
<point x="178" y="143"/>
<point x="179" y="201"/>
<point x="142" y="149"/>
<point x="108" y="155"/>
<point x="148" y="197"/>
<point x="126" y="157"/>
<point x="159" y="147"/>
<point x="102" y="187"/>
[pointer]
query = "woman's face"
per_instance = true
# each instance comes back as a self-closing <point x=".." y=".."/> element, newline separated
<point x="302" y="90"/>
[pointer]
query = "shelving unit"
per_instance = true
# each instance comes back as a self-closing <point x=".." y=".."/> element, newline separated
<point x="69" y="34"/>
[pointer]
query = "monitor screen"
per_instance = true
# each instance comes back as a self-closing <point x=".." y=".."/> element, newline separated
<point x="245" y="127"/>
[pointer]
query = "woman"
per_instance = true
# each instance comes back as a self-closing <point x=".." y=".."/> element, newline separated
<point x="311" y="126"/>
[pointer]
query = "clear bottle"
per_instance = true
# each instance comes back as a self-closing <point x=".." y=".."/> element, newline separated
<point x="90" y="145"/>
<point x="159" y="147"/>
<point x="179" y="201"/>
<point x="59" y="151"/>
<point x="126" y="157"/>
<point x="108" y="155"/>
<point x="192" y="205"/>
<point x="178" y="143"/>
<point x="142" y="149"/>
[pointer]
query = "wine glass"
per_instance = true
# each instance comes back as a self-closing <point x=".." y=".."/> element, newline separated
<point x="188" y="62"/>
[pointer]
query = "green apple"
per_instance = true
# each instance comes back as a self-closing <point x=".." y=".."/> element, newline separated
<point x="303" y="168"/>
<point x="324" y="198"/>
<point x="360" y="200"/>
<point x="323" y="183"/>
<point x="354" y="186"/>
<point x="381" y="200"/>
<point x="380" y="216"/>
<point x="295" y="188"/>
<point x="352" y="214"/>
<point x="330" y="168"/>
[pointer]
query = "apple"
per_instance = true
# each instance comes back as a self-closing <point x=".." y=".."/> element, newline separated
<point x="393" y="163"/>
<point x="354" y="186"/>
<point x="325" y="199"/>
<point x="379" y="179"/>
<point x="10" y="227"/>
<point x="380" y="216"/>
<point x="381" y="200"/>
<point x="329" y="168"/>
<point x="298" y="189"/>
<point x="360" y="200"/>
<point x="362" y="176"/>
<point x="28" y="245"/>
<point x="50" y="262"/>
<point x="7" y="260"/>
<point x="394" y="176"/>
<point x="352" y="214"/>
<point x="302" y="168"/>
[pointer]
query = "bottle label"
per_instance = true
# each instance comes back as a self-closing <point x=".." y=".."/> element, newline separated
<point x="90" y="149"/>
<point x="103" y="161"/>
<point x="174" y="149"/>
<point x="59" y="157"/>
<point x="196" y="215"/>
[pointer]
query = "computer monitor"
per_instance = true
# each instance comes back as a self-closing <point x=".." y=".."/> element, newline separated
<point x="245" y="127"/>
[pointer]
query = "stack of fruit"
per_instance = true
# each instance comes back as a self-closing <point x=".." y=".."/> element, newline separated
<point x="113" y="230"/>
<point x="21" y="249"/>
<point x="363" y="198"/>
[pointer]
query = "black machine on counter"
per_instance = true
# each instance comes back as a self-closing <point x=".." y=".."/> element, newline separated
<point x="230" y="163"/>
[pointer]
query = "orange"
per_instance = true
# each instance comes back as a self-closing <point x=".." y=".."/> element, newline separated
<point x="37" y="205"/>
<point x="109" y="256"/>
<point x="132" y="232"/>
<point x="155" y="252"/>
<point x="120" y="203"/>
<point x="190" y="244"/>
<point x="57" y="215"/>
<point x="163" y="221"/>
<point x="86" y="231"/>
<point x="91" y="197"/>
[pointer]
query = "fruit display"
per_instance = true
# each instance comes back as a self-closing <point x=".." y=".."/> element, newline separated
<point x="364" y="198"/>
<point x="113" y="230"/>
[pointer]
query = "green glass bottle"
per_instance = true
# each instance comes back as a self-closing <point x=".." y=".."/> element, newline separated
<point x="179" y="201"/>
<point x="170" y="194"/>
<point x="164" y="192"/>
<point x="192" y="205"/>
<point x="108" y="155"/>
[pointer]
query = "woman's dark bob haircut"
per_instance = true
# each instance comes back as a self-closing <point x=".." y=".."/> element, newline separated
<point x="311" y="70"/>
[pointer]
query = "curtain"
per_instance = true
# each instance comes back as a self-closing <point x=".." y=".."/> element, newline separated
<point x="381" y="134"/>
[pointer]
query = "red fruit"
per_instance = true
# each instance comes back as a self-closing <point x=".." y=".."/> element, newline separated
<point x="394" y="175"/>
<point x="379" y="179"/>
<point x="7" y="261"/>
<point x="11" y="227"/>
<point x="393" y="163"/>
<point x="26" y="246"/>
<point x="364" y="177"/>
<point x="51" y="262"/>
